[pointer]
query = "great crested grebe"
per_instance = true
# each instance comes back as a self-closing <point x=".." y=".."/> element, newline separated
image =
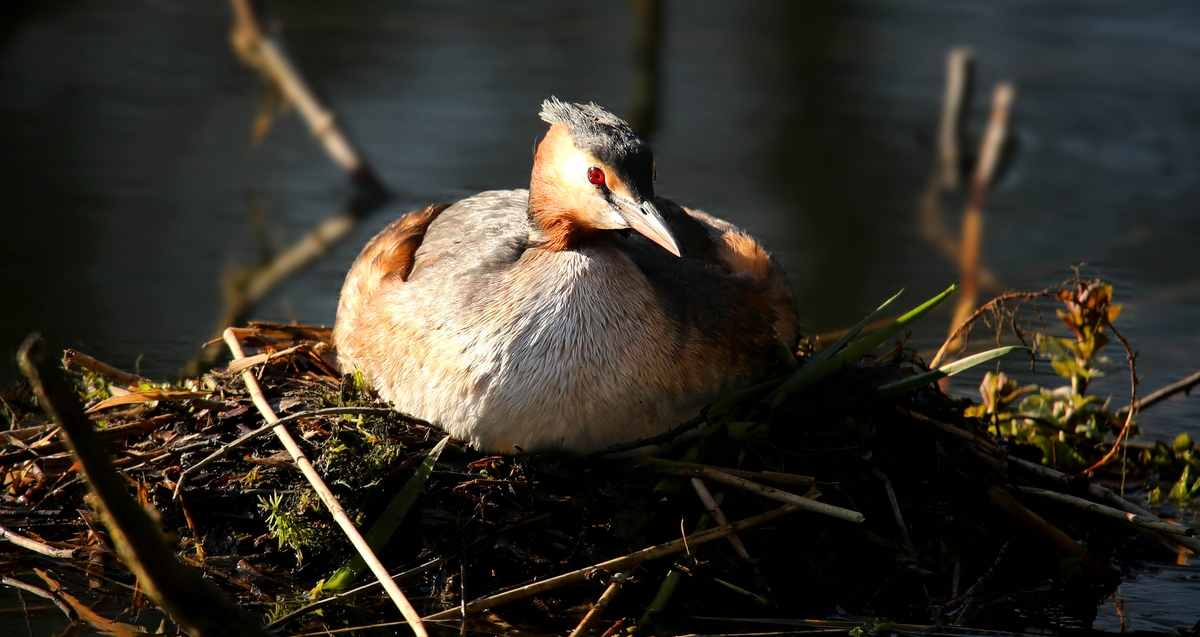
<point x="536" y="320"/>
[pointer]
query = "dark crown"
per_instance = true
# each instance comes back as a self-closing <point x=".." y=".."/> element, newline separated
<point x="606" y="136"/>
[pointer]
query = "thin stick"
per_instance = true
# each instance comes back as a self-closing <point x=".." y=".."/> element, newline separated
<point x="114" y="432"/>
<point x="972" y="222"/>
<point x="765" y="476"/>
<point x="266" y="54"/>
<point x="1145" y="522"/>
<point x="1096" y="491"/>
<point x="713" y="509"/>
<point x="327" y="497"/>
<point x="104" y="369"/>
<point x="946" y="176"/>
<point x="1005" y="502"/>
<point x="614" y="565"/>
<point x="661" y="438"/>
<point x="243" y="293"/>
<point x="959" y="67"/>
<point x="41" y="592"/>
<point x="891" y="494"/>
<point x="192" y="601"/>
<point x="844" y="625"/>
<point x="977" y="587"/>
<point x="1184" y="385"/>
<point x="614" y="586"/>
<point x="781" y="496"/>
<point x="951" y="429"/>
<point x="966" y="323"/>
<point x="354" y="591"/>
<point x="1131" y="359"/>
<point x="258" y="359"/>
<point x="327" y="411"/>
<point x="34" y="545"/>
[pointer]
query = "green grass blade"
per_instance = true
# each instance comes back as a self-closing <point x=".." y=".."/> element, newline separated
<point x="722" y="406"/>
<point x="849" y="336"/>
<point x="389" y="520"/>
<point x="932" y="376"/>
<point x="811" y="373"/>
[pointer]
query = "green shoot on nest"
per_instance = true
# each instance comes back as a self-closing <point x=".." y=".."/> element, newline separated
<point x="1060" y="421"/>
<point x="285" y="527"/>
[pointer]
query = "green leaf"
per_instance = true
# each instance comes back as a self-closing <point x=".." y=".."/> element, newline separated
<point x="1067" y="457"/>
<point x="748" y="429"/>
<point x="932" y="376"/>
<point x="1183" y="442"/>
<point x="389" y="520"/>
<point x="849" y="336"/>
<point x="1179" y="491"/>
<point x="722" y="406"/>
<point x="817" y="370"/>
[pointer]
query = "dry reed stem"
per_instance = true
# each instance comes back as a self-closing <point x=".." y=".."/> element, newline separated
<point x="239" y="366"/>
<point x="149" y="396"/>
<point x="800" y="501"/>
<point x="102" y="368"/>
<point x="1152" y="523"/>
<point x="324" y="601"/>
<point x="610" y="593"/>
<point x="950" y="429"/>
<point x="946" y="176"/>
<point x="972" y="222"/>
<point x="104" y="625"/>
<point x="713" y="509"/>
<point x="327" y="497"/>
<point x="313" y="245"/>
<point x="891" y="494"/>
<point x="46" y="446"/>
<point x="617" y="564"/>
<point x="986" y="449"/>
<point x="1160" y="395"/>
<point x="192" y="601"/>
<point x="959" y="75"/>
<point x="840" y="626"/>
<point x="43" y="593"/>
<point x="776" y="477"/>
<point x="977" y="587"/>
<point x="1005" y="502"/>
<point x="615" y="629"/>
<point x="267" y="55"/>
<point x="34" y="545"/>
<point x="1054" y="475"/>
<point x="951" y="131"/>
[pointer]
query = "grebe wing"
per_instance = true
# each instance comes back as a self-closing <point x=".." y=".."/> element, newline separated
<point x="488" y="230"/>
<point x="722" y="267"/>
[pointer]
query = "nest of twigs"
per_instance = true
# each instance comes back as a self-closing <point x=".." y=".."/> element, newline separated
<point x="957" y="528"/>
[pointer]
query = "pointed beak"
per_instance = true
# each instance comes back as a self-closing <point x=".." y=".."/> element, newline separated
<point x="645" y="218"/>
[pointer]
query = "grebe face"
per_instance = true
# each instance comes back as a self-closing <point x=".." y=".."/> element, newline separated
<point x="600" y="194"/>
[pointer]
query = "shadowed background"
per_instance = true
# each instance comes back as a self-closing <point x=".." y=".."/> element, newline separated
<point x="129" y="185"/>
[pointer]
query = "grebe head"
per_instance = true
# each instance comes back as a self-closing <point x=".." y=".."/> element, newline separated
<point x="592" y="172"/>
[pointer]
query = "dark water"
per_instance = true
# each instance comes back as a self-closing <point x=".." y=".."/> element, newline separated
<point x="127" y="176"/>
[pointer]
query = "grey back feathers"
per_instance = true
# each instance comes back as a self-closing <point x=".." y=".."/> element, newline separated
<point x="607" y="137"/>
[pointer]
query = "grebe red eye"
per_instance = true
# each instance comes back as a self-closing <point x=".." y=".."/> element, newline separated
<point x="595" y="175"/>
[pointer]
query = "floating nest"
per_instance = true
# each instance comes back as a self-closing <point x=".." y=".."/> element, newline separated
<point x="928" y="520"/>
